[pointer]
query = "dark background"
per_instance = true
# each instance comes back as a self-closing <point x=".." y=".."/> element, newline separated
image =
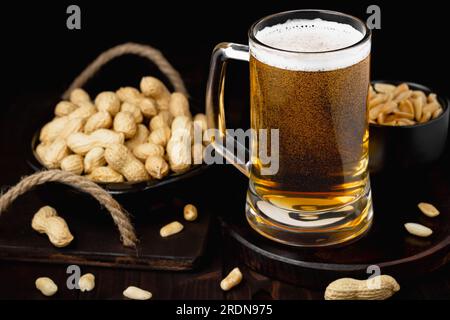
<point x="42" y="55"/>
<point x="40" y="58"/>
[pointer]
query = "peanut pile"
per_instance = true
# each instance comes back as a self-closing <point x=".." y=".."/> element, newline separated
<point x="400" y="106"/>
<point x="127" y="135"/>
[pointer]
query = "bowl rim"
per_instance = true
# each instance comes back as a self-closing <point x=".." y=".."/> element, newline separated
<point x="443" y="99"/>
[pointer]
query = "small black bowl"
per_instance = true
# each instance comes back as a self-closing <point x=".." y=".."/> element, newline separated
<point x="406" y="147"/>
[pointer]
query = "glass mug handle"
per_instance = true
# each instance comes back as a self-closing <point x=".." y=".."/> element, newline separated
<point x="215" y="109"/>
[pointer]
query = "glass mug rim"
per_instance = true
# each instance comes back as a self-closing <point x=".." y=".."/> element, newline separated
<point x="252" y="31"/>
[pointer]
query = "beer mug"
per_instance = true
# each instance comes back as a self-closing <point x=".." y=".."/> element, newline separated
<point x="309" y="82"/>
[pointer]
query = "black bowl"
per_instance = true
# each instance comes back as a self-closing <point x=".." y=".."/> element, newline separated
<point x="407" y="147"/>
<point x="116" y="189"/>
<point x="123" y="187"/>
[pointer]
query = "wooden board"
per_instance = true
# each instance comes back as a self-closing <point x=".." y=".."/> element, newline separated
<point x="387" y="244"/>
<point x="97" y="240"/>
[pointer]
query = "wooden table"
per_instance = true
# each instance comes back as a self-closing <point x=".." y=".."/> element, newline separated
<point x="203" y="283"/>
<point x="18" y="282"/>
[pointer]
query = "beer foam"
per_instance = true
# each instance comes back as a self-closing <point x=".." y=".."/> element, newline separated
<point x="311" y="44"/>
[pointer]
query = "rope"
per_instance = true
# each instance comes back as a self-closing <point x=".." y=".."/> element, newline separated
<point x="129" y="48"/>
<point x="118" y="214"/>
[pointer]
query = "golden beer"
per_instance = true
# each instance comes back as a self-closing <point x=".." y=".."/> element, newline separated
<point x="323" y="130"/>
<point x="309" y="81"/>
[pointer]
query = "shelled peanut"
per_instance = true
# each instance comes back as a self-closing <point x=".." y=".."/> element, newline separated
<point x="401" y="106"/>
<point x="127" y="135"/>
